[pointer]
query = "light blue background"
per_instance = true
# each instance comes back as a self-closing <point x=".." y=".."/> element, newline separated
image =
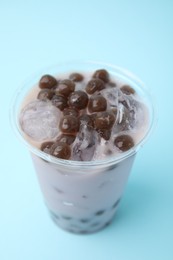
<point x="137" y="35"/>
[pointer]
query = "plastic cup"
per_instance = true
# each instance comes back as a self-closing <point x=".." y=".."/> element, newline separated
<point x="82" y="197"/>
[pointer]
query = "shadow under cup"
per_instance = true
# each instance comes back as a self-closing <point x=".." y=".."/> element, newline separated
<point x="82" y="197"/>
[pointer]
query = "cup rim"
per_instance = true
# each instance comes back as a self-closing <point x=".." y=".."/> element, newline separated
<point x="109" y="160"/>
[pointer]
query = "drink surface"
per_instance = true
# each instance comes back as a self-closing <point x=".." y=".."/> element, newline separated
<point x="83" y="116"/>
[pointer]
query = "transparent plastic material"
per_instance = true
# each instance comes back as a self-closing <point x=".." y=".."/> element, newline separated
<point x="82" y="197"/>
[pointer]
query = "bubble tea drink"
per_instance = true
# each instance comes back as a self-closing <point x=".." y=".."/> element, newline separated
<point x="83" y="123"/>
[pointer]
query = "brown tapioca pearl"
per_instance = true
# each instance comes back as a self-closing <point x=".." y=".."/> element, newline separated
<point x="116" y="204"/>
<point x="64" y="138"/>
<point x="59" y="101"/>
<point x="61" y="150"/>
<point x="78" y="99"/>
<point x="97" y="103"/>
<point x="124" y="142"/>
<point x="104" y="120"/>
<point x="84" y="196"/>
<point x="94" y="85"/>
<point x="100" y="212"/>
<point x="69" y="124"/>
<point x="70" y="112"/>
<point x="47" y="81"/>
<point x="45" y="94"/>
<point x="86" y="120"/>
<point x="76" y="77"/>
<point x="65" y="87"/>
<point x="66" y="217"/>
<point x="107" y="223"/>
<point x="104" y="133"/>
<point x="58" y="190"/>
<point x="127" y="90"/>
<point x="95" y="224"/>
<point x="102" y="74"/>
<point x="85" y="220"/>
<point x="93" y="116"/>
<point x="46" y="146"/>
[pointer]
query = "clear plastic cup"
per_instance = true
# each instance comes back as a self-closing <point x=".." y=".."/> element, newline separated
<point x="82" y="197"/>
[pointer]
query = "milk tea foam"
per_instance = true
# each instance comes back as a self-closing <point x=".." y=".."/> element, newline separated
<point x="83" y="197"/>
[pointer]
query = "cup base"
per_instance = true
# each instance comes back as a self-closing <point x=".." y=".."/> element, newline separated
<point x="83" y="225"/>
<point x="83" y="231"/>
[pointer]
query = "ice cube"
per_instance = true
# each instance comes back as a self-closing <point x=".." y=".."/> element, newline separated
<point x="127" y="113"/>
<point x="85" y="144"/>
<point x="111" y="94"/>
<point x="40" y="120"/>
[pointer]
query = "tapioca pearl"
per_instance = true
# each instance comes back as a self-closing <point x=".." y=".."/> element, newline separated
<point x="102" y="74"/>
<point x="85" y="220"/>
<point x="104" y="184"/>
<point x="94" y="85"/>
<point x="70" y="112"/>
<point x="58" y="190"/>
<point x="78" y="99"/>
<point x="61" y="150"/>
<point x="47" y="81"/>
<point x="46" y="147"/>
<point x="115" y="204"/>
<point x="66" y="217"/>
<point x="59" y="101"/>
<point x="126" y="89"/>
<point x="76" y="77"/>
<point x="104" y="133"/>
<point x="124" y="142"/>
<point x="93" y="117"/>
<point x="97" y="103"/>
<point x="84" y="196"/>
<point x="45" y="94"/>
<point x="65" y="87"/>
<point x="86" y="120"/>
<point x="107" y="223"/>
<point x="75" y="227"/>
<point x="95" y="224"/>
<point x="100" y="212"/>
<point x="68" y="139"/>
<point x="104" y="120"/>
<point x="69" y="124"/>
